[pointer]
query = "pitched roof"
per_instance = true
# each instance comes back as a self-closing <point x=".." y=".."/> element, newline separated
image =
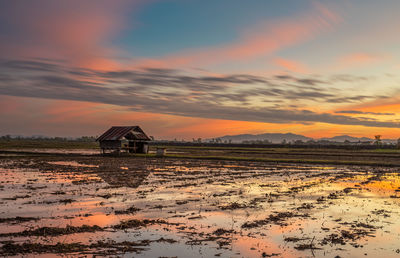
<point x="119" y="132"/>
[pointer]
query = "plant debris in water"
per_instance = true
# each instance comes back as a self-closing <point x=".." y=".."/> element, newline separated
<point x="279" y="219"/>
<point x="17" y="219"/>
<point x="130" y="210"/>
<point x="100" y="247"/>
<point x="164" y="207"/>
<point x="52" y="231"/>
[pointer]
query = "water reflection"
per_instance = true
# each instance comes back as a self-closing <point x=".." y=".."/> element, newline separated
<point x="201" y="207"/>
<point x="122" y="176"/>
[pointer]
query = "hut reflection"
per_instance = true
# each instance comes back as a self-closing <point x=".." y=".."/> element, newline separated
<point x="117" y="175"/>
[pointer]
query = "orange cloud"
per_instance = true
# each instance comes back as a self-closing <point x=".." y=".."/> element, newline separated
<point x="75" y="118"/>
<point x="58" y="111"/>
<point x="387" y="105"/>
<point x="291" y="65"/>
<point x="8" y="104"/>
<point x="319" y="130"/>
<point x="78" y="32"/>
<point x="359" y="59"/>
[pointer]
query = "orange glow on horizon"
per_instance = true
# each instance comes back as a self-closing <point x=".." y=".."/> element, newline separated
<point x="60" y="118"/>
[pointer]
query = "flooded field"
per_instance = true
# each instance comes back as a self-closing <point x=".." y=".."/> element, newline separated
<point x="147" y="207"/>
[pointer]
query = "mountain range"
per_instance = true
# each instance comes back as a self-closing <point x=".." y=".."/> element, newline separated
<point x="290" y="137"/>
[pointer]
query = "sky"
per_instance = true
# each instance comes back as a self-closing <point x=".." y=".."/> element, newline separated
<point x="197" y="68"/>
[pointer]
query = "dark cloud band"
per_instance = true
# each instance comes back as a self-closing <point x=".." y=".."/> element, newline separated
<point x="167" y="91"/>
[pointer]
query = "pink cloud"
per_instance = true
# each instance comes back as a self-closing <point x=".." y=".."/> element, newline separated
<point x="359" y="59"/>
<point x="80" y="32"/>
<point x="75" y="31"/>
<point x="291" y="65"/>
<point x="260" y="41"/>
<point x="8" y="104"/>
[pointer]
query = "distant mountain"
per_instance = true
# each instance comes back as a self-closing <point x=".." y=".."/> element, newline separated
<point x="290" y="137"/>
<point x="273" y="137"/>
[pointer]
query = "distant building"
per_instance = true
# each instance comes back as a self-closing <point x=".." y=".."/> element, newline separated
<point x="131" y="139"/>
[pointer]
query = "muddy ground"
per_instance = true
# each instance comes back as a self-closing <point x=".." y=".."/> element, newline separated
<point x="384" y="157"/>
<point x="162" y="207"/>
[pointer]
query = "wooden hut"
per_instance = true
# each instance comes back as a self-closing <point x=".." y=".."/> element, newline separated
<point x="131" y="139"/>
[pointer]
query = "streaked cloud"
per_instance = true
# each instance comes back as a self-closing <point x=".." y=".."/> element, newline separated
<point x="173" y="92"/>
<point x="357" y="112"/>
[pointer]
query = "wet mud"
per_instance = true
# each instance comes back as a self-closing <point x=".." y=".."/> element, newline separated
<point x="148" y="207"/>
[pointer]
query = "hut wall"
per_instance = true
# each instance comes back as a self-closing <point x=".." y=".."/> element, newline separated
<point x="110" y="144"/>
<point x="142" y="147"/>
<point x="146" y="148"/>
<point x="132" y="147"/>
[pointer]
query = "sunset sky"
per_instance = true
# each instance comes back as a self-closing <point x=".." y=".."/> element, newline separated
<point x="199" y="68"/>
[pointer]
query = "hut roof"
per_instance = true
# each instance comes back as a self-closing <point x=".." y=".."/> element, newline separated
<point x="119" y="132"/>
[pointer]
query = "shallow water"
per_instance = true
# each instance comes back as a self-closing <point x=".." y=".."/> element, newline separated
<point x="224" y="208"/>
<point x="58" y="150"/>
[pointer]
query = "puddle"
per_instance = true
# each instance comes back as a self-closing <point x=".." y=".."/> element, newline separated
<point x="191" y="208"/>
<point x="72" y="163"/>
<point x="60" y="151"/>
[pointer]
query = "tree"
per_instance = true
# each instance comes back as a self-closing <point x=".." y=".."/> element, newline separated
<point x="298" y="142"/>
<point x="378" y="140"/>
